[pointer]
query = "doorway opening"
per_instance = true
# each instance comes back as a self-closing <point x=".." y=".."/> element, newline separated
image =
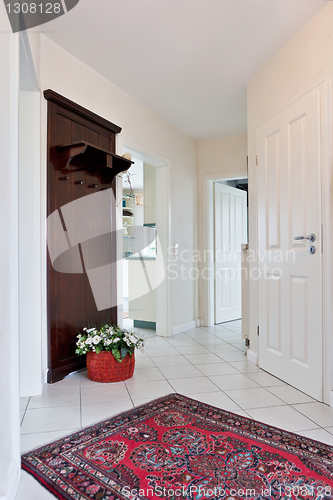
<point x="138" y="205"/>
<point x="144" y="208"/>
<point x="230" y="233"/>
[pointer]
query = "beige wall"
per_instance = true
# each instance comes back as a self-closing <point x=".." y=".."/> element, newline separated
<point x="301" y="65"/>
<point x="143" y="129"/>
<point x="217" y="159"/>
<point x="220" y="155"/>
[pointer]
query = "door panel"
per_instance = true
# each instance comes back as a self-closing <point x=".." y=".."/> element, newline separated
<point x="230" y="232"/>
<point x="274" y="310"/>
<point x="272" y="172"/>
<point x="289" y="205"/>
<point x="299" y="326"/>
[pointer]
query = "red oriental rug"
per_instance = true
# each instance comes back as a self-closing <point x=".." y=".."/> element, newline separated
<point x="176" y="447"/>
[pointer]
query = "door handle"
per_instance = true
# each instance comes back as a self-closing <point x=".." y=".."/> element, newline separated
<point x="311" y="237"/>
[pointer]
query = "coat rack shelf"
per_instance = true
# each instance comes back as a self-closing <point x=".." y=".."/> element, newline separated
<point x="84" y="155"/>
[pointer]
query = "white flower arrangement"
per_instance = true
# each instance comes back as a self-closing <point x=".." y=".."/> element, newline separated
<point x="108" y="338"/>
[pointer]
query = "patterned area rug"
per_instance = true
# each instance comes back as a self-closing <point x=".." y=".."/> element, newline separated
<point x="176" y="447"/>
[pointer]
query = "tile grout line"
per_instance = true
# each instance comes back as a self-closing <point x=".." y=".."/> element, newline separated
<point x="316" y="423"/>
<point x="80" y="401"/>
<point x="25" y="411"/>
<point x="164" y="377"/>
<point x="170" y="381"/>
<point x="284" y="402"/>
<point x="260" y="386"/>
<point x="210" y="350"/>
<point x="128" y="392"/>
<point x="276" y="406"/>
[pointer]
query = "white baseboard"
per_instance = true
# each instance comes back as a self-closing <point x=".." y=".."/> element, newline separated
<point x="252" y="357"/>
<point x="198" y="322"/>
<point x="331" y="399"/>
<point x="46" y="371"/>
<point x="184" y="327"/>
<point x="8" y="492"/>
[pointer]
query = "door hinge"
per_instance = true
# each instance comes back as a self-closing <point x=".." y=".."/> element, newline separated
<point x="257" y="163"/>
<point x="258" y="330"/>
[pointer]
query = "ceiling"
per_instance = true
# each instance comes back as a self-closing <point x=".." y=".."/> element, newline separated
<point x="188" y="60"/>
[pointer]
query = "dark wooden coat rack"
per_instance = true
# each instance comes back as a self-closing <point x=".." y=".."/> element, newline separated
<point x="81" y="151"/>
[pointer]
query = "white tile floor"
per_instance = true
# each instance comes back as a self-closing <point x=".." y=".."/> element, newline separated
<point x="208" y="364"/>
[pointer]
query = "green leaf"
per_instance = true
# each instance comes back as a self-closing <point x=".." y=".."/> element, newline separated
<point x="116" y="354"/>
<point x="98" y="349"/>
<point x="123" y="352"/>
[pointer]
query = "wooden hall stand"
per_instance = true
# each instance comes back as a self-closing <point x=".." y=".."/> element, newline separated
<point x="81" y="161"/>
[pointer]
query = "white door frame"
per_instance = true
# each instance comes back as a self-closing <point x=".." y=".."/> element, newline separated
<point x="208" y="243"/>
<point x="163" y="221"/>
<point x="327" y="242"/>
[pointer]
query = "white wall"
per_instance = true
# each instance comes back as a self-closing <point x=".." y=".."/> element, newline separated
<point x="31" y="382"/>
<point x="9" y="346"/>
<point x="217" y="159"/>
<point x="63" y="73"/>
<point x="301" y="65"/>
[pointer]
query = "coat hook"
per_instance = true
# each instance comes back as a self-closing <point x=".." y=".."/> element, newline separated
<point x="79" y="182"/>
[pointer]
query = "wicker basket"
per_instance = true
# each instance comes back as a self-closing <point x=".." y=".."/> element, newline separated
<point x="103" y="367"/>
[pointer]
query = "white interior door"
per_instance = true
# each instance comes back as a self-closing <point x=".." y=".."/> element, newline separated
<point x="230" y="232"/>
<point x="290" y="283"/>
